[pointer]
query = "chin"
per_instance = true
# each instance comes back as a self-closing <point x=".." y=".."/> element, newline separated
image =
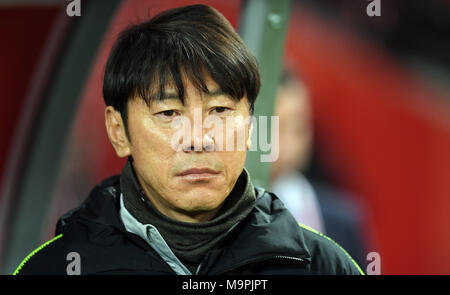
<point x="202" y="201"/>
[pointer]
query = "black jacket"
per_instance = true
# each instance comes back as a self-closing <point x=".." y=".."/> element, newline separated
<point x="268" y="241"/>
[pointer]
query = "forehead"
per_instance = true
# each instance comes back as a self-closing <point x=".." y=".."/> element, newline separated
<point x="185" y="86"/>
<point x="192" y="91"/>
<point x="189" y="87"/>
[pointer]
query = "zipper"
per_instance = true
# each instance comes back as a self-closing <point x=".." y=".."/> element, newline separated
<point x="198" y="269"/>
<point x="289" y="258"/>
<point x="260" y="259"/>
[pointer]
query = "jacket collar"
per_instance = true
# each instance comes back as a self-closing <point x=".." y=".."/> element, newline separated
<point x="270" y="231"/>
<point x="267" y="232"/>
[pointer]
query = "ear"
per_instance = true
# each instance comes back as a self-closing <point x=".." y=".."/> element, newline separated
<point x="249" y="138"/>
<point x="116" y="132"/>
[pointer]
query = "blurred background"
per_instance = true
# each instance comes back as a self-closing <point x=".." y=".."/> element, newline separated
<point x="364" y="106"/>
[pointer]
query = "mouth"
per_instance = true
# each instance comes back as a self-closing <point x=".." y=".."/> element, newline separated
<point x="198" y="174"/>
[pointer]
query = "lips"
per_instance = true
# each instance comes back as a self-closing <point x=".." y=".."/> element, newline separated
<point x="198" y="171"/>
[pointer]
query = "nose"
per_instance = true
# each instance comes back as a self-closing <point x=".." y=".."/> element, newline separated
<point x="199" y="140"/>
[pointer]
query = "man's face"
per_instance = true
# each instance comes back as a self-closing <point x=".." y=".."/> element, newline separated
<point x="294" y="111"/>
<point x="163" y="171"/>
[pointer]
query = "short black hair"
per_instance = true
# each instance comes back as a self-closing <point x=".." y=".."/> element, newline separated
<point x="189" y="40"/>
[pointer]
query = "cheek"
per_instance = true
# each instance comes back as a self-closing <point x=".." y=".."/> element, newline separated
<point x="236" y="137"/>
<point x="150" y="147"/>
<point x="236" y="133"/>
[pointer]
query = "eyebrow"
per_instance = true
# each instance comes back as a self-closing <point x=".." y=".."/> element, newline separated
<point x="174" y="95"/>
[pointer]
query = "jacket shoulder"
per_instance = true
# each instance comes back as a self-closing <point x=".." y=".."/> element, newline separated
<point x="325" y="250"/>
<point x="47" y="259"/>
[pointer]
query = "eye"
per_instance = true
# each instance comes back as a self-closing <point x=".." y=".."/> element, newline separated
<point x="220" y="110"/>
<point x="167" y="114"/>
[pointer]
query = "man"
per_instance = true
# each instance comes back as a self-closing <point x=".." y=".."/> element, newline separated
<point x="314" y="203"/>
<point x="295" y="134"/>
<point x="183" y="204"/>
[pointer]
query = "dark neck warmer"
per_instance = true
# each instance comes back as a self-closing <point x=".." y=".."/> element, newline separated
<point x="189" y="241"/>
